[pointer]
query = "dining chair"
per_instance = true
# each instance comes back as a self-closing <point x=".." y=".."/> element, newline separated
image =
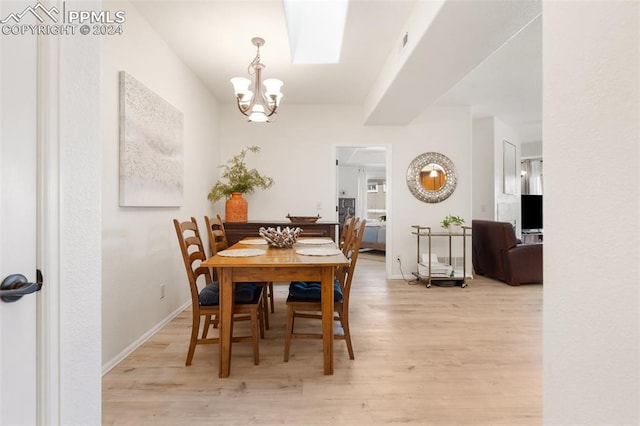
<point x="304" y="300"/>
<point x="205" y="303"/>
<point x="216" y="233"/>
<point x="345" y="231"/>
<point x="218" y="241"/>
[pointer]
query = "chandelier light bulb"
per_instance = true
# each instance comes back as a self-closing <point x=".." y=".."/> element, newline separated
<point x="273" y="85"/>
<point x="240" y="85"/>
<point x="257" y="114"/>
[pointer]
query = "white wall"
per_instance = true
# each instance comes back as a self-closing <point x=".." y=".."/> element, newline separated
<point x="483" y="144"/>
<point x="507" y="205"/>
<point x="531" y="150"/>
<point x="348" y="181"/>
<point x="446" y="130"/>
<point x="489" y="200"/>
<point x="592" y="232"/>
<point x="140" y="248"/>
<point x="78" y="359"/>
<point x="298" y="151"/>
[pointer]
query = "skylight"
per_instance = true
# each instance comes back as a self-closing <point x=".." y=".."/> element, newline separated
<point x="315" y="28"/>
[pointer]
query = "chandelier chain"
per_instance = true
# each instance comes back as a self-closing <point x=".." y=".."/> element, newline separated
<point x="255" y="63"/>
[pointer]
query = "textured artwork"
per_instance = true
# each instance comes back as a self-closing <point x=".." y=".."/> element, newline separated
<point x="151" y="168"/>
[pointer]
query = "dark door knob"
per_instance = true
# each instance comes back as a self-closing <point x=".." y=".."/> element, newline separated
<point x="15" y="286"/>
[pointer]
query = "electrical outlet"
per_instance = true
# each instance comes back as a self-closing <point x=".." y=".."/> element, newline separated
<point x="162" y="290"/>
<point x="398" y="259"/>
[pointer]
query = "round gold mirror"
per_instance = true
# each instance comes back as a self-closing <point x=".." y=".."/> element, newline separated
<point x="431" y="177"/>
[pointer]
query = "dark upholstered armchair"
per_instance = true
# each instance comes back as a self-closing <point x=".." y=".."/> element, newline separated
<point x="497" y="254"/>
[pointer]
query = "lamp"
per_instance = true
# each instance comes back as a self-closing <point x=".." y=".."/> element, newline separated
<point x="263" y="102"/>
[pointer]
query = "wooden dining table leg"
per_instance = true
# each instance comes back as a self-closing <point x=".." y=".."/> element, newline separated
<point x="327" y="318"/>
<point x="226" y="320"/>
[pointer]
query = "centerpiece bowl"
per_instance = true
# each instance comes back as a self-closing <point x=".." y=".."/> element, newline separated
<point x="281" y="238"/>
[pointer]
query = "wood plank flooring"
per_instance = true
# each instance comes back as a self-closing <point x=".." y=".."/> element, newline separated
<point x="438" y="356"/>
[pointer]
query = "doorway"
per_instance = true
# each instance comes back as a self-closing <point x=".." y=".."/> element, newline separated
<point x="363" y="190"/>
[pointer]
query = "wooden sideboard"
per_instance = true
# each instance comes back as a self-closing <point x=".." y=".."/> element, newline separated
<point x="237" y="231"/>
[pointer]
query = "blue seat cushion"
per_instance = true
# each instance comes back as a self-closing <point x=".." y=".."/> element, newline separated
<point x="301" y="291"/>
<point x="245" y="293"/>
<point x="210" y="295"/>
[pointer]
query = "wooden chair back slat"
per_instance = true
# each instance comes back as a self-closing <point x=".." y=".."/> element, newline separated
<point x="217" y="234"/>
<point x="193" y="253"/>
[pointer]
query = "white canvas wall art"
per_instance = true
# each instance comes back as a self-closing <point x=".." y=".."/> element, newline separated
<point x="151" y="159"/>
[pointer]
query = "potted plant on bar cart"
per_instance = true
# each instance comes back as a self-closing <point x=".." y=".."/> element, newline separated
<point x="452" y="224"/>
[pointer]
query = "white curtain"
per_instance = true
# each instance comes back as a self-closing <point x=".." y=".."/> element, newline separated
<point x="361" y="199"/>
<point x="532" y="182"/>
<point x="535" y="183"/>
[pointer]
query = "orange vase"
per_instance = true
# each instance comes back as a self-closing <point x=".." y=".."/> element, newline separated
<point x="235" y="210"/>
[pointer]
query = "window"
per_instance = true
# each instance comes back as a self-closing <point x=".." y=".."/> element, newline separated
<point x="376" y="196"/>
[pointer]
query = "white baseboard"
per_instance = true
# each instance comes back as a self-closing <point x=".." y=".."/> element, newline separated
<point x="135" y="345"/>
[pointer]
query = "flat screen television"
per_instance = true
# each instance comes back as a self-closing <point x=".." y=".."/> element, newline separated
<point x="531" y="211"/>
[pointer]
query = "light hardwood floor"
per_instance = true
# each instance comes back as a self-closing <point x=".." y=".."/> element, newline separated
<point x="438" y="356"/>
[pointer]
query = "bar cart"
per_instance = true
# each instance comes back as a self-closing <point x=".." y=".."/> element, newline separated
<point x="432" y="276"/>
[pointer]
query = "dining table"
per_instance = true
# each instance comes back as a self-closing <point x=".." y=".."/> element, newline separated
<point x="256" y="262"/>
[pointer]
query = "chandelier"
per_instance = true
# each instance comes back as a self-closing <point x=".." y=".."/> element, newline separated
<point x="263" y="102"/>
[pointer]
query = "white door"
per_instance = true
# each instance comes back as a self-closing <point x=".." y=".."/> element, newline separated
<point x="17" y="224"/>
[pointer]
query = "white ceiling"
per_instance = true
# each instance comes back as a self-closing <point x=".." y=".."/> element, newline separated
<point x="508" y="84"/>
<point x="368" y="156"/>
<point x="214" y="39"/>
